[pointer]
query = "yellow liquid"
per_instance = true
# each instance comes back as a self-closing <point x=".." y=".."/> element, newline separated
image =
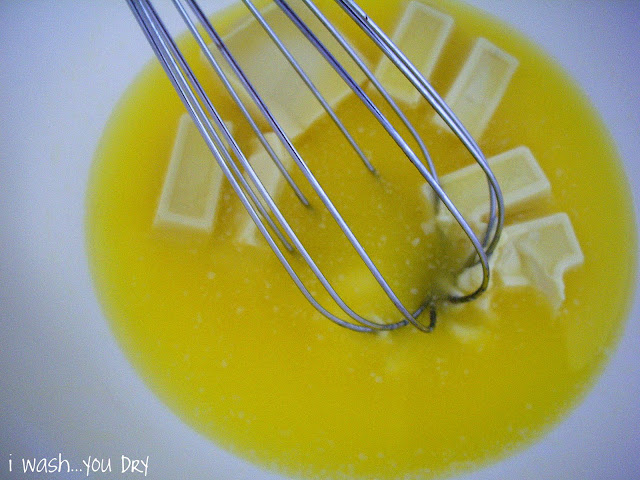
<point x="224" y="338"/>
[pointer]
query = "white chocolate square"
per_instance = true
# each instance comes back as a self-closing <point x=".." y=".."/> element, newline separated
<point x="519" y="176"/>
<point x="276" y="81"/>
<point x="522" y="182"/>
<point x="548" y="247"/>
<point x="535" y="253"/>
<point x="191" y="189"/>
<point x="480" y="86"/>
<point x="420" y="34"/>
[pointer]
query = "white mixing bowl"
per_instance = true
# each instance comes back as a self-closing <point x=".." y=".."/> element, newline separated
<point x="65" y="386"/>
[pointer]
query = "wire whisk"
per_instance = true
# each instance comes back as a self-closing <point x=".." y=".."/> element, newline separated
<point x="245" y="182"/>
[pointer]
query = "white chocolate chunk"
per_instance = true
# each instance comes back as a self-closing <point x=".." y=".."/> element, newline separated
<point x="275" y="79"/>
<point x="508" y="265"/>
<point x="420" y="34"/>
<point x="548" y="247"/>
<point x="536" y="253"/>
<point x="270" y="177"/>
<point x="289" y="125"/>
<point x="522" y="182"/>
<point x="191" y="189"/>
<point x="479" y="87"/>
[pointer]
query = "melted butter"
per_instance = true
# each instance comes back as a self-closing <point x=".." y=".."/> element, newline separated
<point x="222" y="336"/>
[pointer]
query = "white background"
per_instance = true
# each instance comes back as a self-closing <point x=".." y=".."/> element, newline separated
<point x="65" y="387"/>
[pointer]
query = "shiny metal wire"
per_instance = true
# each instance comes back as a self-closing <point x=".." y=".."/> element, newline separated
<point x="277" y="231"/>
